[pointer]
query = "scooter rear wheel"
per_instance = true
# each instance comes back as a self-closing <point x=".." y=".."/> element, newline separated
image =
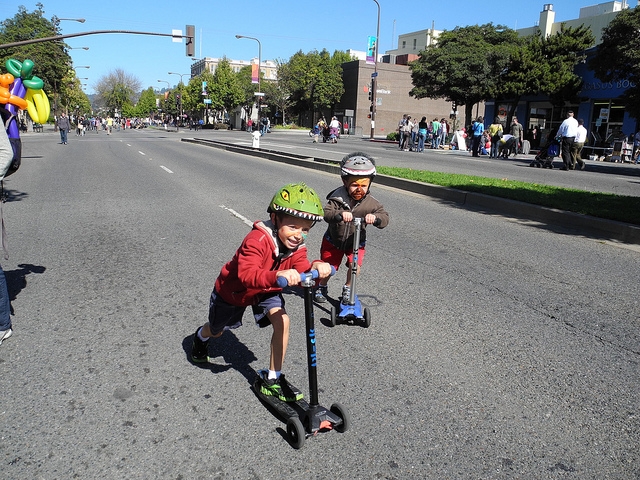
<point x="295" y="432"/>
<point x="334" y="317"/>
<point x="367" y="318"/>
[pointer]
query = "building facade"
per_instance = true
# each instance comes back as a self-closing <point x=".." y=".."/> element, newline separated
<point x="268" y="68"/>
<point x="604" y="115"/>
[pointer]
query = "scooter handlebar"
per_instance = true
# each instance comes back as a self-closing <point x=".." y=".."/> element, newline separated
<point x="338" y="218"/>
<point x="282" y="282"/>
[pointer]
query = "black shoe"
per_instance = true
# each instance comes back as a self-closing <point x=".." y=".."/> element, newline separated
<point x="199" y="349"/>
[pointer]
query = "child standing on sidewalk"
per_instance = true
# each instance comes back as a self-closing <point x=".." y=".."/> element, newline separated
<point x="351" y="200"/>
<point x="274" y="248"/>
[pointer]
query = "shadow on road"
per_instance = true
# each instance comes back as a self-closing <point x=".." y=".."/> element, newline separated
<point x="233" y="352"/>
<point x="17" y="279"/>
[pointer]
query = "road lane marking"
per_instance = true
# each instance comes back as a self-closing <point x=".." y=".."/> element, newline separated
<point x="237" y="215"/>
<point x="165" y="169"/>
<point x="141" y="153"/>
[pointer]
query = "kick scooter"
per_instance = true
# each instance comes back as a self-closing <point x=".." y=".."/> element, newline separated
<point x="305" y="419"/>
<point x="352" y="309"/>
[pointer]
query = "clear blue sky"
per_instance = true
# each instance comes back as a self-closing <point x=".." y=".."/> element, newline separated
<point x="282" y="26"/>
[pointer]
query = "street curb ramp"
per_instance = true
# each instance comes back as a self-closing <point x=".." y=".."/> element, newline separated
<point x="559" y="221"/>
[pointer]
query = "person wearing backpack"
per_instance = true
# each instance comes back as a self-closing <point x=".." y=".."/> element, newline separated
<point x="435" y="125"/>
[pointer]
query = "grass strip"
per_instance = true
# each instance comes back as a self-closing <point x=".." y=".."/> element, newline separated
<point x="597" y="204"/>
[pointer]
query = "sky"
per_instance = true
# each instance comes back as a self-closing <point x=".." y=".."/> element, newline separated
<point x="283" y="28"/>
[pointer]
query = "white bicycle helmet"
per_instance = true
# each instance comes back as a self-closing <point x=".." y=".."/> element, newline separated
<point x="358" y="164"/>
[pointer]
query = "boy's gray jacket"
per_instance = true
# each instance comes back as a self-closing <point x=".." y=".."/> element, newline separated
<point x="339" y="233"/>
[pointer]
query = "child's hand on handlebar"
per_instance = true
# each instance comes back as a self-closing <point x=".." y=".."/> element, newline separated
<point x="347" y="217"/>
<point x="323" y="268"/>
<point x="292" y="276"/>
<point x="370" y="219"/>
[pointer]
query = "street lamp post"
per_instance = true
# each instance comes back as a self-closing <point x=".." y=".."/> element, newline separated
<point x="181" y="75"/>
<point x="180" y="100"/>
<point x="79" y="20"/>
<point x="83" y="66"/>
<point x="259" y="66"/>
<point x="374" y="78"/>
<point x="168" y="88"/>
<point x="78" y="48"/>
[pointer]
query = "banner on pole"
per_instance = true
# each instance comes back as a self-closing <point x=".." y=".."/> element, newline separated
<point x="255" y="73"/>
<point x="371" y="50"/>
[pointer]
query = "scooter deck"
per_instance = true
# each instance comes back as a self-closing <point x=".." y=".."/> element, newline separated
<point x="285" y="410"/>
<point x="313" y="418"/>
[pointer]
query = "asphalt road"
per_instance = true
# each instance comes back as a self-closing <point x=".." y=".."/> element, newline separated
<point x="498" y="348"/>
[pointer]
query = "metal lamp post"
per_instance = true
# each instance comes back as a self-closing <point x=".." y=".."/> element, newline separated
<point x="374" y="77"/>
<point x="259" y="66"/>
<point x="181" y="75"/>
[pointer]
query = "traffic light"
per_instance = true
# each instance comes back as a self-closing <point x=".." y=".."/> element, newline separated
<point x="454" y="106"/>
<point x="191" y="40"/>
<point x="370" y="94"/>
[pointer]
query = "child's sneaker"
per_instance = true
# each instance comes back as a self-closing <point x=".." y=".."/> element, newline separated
<point x="346" y="294"/>
<point x="321" y="294"/>
<point x="4" y="334"/>
<point x="279" y="388"/>
<point x="199" y="349"/>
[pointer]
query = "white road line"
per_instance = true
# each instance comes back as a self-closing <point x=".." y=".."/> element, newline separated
<point x="165" y="169"/>
<point x="128" y="144"/>
<point x="141" y="153"/>
<point x="237" y="215"/>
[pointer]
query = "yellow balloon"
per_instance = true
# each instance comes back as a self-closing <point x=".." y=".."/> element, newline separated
<point x="38" y="105"/>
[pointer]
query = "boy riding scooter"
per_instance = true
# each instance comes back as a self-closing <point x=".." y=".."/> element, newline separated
<point x="351" y="200"/>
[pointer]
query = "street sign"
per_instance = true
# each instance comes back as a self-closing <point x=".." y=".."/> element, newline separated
<point x="374" y="74"/>
<point x="259" y="94"/>
<point x="207" y="100"/>
<point x="177" y="36"/>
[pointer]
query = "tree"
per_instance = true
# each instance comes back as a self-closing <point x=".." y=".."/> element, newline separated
<point x="193" y="98"/>
<point x="52" y="63"/>
<point x="314" y="80"/>
<point x="545" y="66"/>
<point x="225" y="91"/>
<point x="118" y="89"/>
<point x="278" y="95"/>
<point x="146" y="103"/>
<point x="464" y="64"/>
<point x="617" y="58"/>
<point x="563" y="51"/>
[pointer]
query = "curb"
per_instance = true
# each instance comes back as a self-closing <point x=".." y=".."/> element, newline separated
<point x="564" y="222"/>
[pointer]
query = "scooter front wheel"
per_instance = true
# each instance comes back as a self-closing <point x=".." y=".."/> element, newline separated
<point x="340" y="411"/>
<point x="295" y="432"/>
<point x="334" y="317"/>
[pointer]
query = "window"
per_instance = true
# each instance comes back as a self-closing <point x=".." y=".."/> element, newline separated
<point x="415" y="43"/>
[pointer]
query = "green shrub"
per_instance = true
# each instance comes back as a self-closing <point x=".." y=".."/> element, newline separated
<point x="393" y="136"/>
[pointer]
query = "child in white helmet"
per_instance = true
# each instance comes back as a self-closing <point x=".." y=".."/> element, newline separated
<point x="351" y="200"/>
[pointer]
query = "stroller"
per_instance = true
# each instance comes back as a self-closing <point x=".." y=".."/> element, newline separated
<point x="546" y="155"/>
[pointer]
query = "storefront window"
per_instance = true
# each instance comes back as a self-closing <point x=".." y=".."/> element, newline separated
<point x="547" y="118"/>
<point x="606" y="122"/>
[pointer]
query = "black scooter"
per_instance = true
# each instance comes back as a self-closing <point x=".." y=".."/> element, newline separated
<point x="305" y="419"/>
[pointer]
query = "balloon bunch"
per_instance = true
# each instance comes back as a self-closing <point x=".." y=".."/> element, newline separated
<point x="20" y="89"/>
